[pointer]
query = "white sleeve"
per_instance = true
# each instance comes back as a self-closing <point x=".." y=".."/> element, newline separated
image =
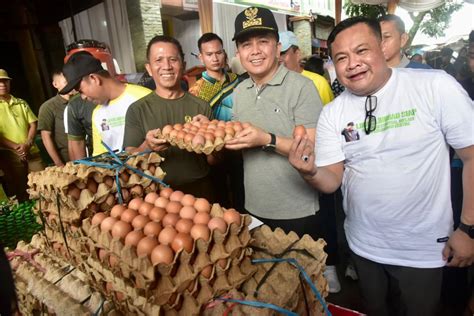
<point x="328" y="139"/>
<point x="455" y="112"/>
<point x="65" y="119"/>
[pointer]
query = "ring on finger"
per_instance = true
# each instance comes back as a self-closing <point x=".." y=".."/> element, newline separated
<point x="305" y="158"/>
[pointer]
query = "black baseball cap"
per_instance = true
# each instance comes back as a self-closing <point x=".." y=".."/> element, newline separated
<point x="254" y="18"/>
<point x="78" y="66"/>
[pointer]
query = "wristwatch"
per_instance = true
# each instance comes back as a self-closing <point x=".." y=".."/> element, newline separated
<point x="270" y="147"/>
<point x="468" y="229"/>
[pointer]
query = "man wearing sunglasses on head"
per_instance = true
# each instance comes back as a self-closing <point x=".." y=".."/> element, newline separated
<point x="395" y="176"/>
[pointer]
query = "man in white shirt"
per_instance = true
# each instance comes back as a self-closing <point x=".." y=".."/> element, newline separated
<point x="395" y="177"/>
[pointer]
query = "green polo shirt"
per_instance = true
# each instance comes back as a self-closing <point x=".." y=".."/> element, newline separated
<point x="15" y="118"/>
<point x="273" y="188"/>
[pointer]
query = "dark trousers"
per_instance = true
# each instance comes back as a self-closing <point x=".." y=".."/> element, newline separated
<point x="327" y="209"/>
<point x="395" y="290"/>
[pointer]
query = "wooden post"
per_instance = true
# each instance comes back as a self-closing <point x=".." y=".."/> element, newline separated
<point x="205" y="15"/>
<point x="392" y="5"/>
<point x="338" y="11"/>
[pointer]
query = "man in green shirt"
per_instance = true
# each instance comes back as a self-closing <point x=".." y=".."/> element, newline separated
<point x="168" y="104"/>
<point x="51" y="122"/>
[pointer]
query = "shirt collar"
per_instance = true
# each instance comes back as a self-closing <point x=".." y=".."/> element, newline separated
<point x="277" y="79"/>
<point x="212" y="80"/>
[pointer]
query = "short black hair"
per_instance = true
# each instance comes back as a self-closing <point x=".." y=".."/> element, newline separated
<point x="257" y="32"/>
<point x="164" y="39"/>
<point x="315" y="64"/>
<point x="207" y="37"/>
<point x="393" y="18"/>
<point x="373" y="24"/>
<point x="471" y="37"/>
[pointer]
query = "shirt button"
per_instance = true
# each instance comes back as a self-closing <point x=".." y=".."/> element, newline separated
<point x="258" y="97"/>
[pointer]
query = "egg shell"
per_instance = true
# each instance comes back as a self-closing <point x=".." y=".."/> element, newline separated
<point x="237" y="128"/>
<point x="113" y="260"/>
<point x="152" y="196"/>
<point x="173" y="207"/>
<point x="229" y="131"/>
<point x="124" y="176"/>
<point x="176" y="196"/>
<point x="91" y="185"/>
<point x="187" y="125"/>
<point x="173" y="134"/>
<point x="152" y="229"/>
<point x="166" y="130"/>
<point x="136" y="191"/>
<point x="117" y="211"/>
<point x="167" y="235"/>
<point x="202" y="218"/>
<point x="157" y="213"/>
<point x="184" y="225"/>
<point x="188" y="200"/>
<point x="102" y="254"/>
<point x="188" y="138"/>
<point x="98" y="218"/>
<point x="187" y="212"/>
<point x="219" y="132"/>
<point x="178" y="126"/>
<point x="109" y="181"/>
<point x="182" y="241"/>
<point x="210" y="137"/>
<point x="170" y="219"/>
<point x="135" y="203"/>
<point x="207" y="271"/>
<point x="200" y="231"/>
<point x="146" y="245"/>
<point x="134" y="237"/>
<point x="74" y="192"/>
<point x="217" y="223"/>
<point x="221" y="124"/>
<point x="198" y="140"/>
<point x="162" y="254"/>
<point x="222" y="263"/>
<point x="299" y="130"/>
<point x="211" y="127"/>
<point x="202" y="205"/>
<point x="145" y="208"/>
<point x="140" y="221"/>
<point x="128" y="215"/>
<point x="107" y="223"/>
<point x="231" y="216"/>
<point x="180" y="135"/>
<point x="120" y="229"/>
<point x="166" y="192"/>
<point x="161" y="202"/>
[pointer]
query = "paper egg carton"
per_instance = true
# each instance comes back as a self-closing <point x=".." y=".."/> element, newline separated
<point x="54" y="187"/>
<point x="51" y="283"/>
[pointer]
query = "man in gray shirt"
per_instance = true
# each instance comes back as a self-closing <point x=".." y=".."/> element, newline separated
<point x="273" y="100"/>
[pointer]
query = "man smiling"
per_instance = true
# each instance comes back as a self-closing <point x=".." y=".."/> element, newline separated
<point x="395" y="175"/>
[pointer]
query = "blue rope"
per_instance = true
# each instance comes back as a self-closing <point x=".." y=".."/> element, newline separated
<point x="118" y="164"/>
<point x="259" y="305"/>
<point x="295" y="263"/>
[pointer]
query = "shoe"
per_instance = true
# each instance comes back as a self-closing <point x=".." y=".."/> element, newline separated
<point x="331" y="276"/>
<point x="351" y="272"/>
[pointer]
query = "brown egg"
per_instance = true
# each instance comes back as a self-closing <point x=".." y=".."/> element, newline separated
<point x="113" y="260"/>
<point x="188" y="200"/>
<point x="222" y="263"/>
<point x="157" y="213"/>
<point x="202" y="205"/>
<point x="117" y="210"/>
<point x="166" y="130"/>
<point x="232" y="216"/>
<point x="102" y="254"/>
<point x="109" y="181"/>
<point x="140" y="221"/>
<point x="198" y="140"/>
<point x="134" y="237"/>
<point x="211" y="127"/>
<point x="202" y="218"/>
<point x="124" y="176"/>
<point x="135" y="203"/>
<point x="182" y="241"/>
<point x="161" y="202"/>
<point x="152" y="196"/>
<point x="178" y="126"/>
<point x="107" y="223"/>
<point x="162" y="254"/>
<point x="229" y="131"/>
<point x="128" y="215"/>
<point x="184" y="225"/>
<point x="167" y="235"/>
<point x="152" y="229"/>
<point x="98" y="218"/>
<point x="194" y="129"/>
<point x="74" y="192"/>
<point x="180" y="135"/>
<point x="187" y="125"/>
<point x="219" y="132"/>
<point x="217" y="223"/>
<point x="237" y="127"/>
<point x="166" y="192"/>
<point x="146" y="245"/>
<point x="173" y="207"/>
<point x="121" y="229"/>
<point x="125" y="195"/>
<point x="200" y="231"/>
<point x="173" y="134"/>
<point x="176" y="196"/>
<point x="207" y="271"/>
<point x="299" y="130"/>
<point x="188" y="139"/>
<point x="221" y="124"/>
<point x="210" y="137"/>
<point x="145" y="208"/>
<point x="91" y="185"/>
<point x="187" y="212"/>
<point x="170" y="219"/>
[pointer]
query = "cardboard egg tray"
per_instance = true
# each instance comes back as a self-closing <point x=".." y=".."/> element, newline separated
<point x="282" y="286"/>
<point x="208" y="148"/>
<point x="53" y="184"/>
<point x="47" y="282"/>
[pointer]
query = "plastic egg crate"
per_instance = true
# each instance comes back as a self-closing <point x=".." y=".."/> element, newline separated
<point x="83" y="190"/>
<point x="200" y="137"/>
